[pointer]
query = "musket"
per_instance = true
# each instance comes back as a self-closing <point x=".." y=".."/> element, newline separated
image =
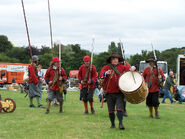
<point x="29" y="43"/>
<point x="60" y="82"/>
<point x="91" y="60"/>
<point x="123" y="56"/>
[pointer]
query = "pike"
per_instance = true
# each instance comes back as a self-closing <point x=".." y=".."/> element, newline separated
<point x="26" y="25"/>
<point x="50" y="25"/>
<point x="123" y="56"/>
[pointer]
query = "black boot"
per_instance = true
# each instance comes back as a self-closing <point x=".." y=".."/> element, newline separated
<point x="120" y="118"/>
<point x="112" y="118"/>
<point x="61" y="109"/>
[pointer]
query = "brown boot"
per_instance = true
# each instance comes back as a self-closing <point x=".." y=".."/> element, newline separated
<point x="61" y="109"/>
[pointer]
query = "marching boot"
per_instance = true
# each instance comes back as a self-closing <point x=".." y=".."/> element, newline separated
<point x="92" y="108"/>
<point x="61" y="109"/>
<point x="86" y="108"/>
<point x="38" y="102"/>
<point x="112" y="119"/>
<point x="120" y="118"/>
<point x="151" y="112"/>
<point x="156" y="113"/>
<point x="48" y="107"/>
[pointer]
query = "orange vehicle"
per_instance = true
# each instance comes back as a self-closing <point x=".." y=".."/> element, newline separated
<point x="73" y="73"/>
<point x="12" y="72"/>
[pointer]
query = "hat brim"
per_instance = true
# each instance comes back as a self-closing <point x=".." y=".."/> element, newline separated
<point x="119" y="58"/>
<point x="150" y="60"/>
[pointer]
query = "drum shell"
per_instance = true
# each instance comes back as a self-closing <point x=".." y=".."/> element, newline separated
<point x="138" y="95"/>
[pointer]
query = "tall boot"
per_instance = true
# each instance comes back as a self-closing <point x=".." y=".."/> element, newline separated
<point x="112" y="119"/>
<point x="151" y="112"/>
<point x="61" y="109"/>
<point x="86" y="108"/>
<point x="92" y="108"/>
<point x="31" y="102"/>
<point x="156" y="113"/>
<point x="48" y="107"/>
<point x="120" y="118"/>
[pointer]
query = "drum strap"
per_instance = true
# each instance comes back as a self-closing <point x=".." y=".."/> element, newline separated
<point x="115" y="69"/>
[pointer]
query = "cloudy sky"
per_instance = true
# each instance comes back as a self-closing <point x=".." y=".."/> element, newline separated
<point x="136" y="22"/>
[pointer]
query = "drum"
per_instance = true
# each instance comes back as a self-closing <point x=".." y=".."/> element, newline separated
<point x="133" y="86"/>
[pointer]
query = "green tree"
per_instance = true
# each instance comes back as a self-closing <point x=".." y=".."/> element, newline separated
<point x="101" y="60"/>
<point x="5" y="44"/>
<point x="19" y="53"/>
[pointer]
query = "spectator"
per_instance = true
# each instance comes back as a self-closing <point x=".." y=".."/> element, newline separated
<point x="41" y="78"/>
<point x="169" y="82"/>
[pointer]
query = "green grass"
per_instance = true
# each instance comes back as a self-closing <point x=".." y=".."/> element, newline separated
<point x="32" y="123"/>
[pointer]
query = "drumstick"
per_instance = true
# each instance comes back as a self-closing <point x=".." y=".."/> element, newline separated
<point x="133" y="77"/>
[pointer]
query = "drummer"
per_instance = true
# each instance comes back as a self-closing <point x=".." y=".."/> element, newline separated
<point x="111" y="73"/>
<point x="152" y="77"/>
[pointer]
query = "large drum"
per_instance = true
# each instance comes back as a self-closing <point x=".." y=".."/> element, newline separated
<point x="134" y="88"/>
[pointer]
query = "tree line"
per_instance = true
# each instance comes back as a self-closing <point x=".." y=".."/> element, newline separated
<point x="72" y="55"/>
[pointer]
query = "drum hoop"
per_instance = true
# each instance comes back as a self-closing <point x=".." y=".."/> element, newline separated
<point x="134" y="90"/>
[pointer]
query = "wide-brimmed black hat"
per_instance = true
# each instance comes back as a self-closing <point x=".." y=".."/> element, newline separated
<point x="115" y="55"/>
<point x="151" y="59"/>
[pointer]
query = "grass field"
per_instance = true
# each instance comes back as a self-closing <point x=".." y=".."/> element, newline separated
<point x="32" y="123"/>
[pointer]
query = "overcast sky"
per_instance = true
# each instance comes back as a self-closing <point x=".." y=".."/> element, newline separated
<point x="136" y="22"/>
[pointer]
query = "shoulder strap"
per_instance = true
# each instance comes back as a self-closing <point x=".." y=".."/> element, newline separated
<point x="115" y="69"/>
<point x="55" y="79"/>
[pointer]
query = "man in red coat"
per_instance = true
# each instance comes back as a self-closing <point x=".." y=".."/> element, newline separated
<point x="153" y="76"/>
<point x="34" y="82"/>
<point x="110" y="74"/>
<point x="52" y="78"/>
<point x="87" y="82"/>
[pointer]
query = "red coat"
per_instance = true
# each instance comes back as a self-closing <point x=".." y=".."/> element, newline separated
<point x="81" y="75"/>
<point x="32" y="76"/>
<point x="154" y="78"/>
<point x="113" y="83"/>
<point x="50" y="73"/>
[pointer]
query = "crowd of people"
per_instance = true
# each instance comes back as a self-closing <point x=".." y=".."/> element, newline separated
<point x="90" y="83"/>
